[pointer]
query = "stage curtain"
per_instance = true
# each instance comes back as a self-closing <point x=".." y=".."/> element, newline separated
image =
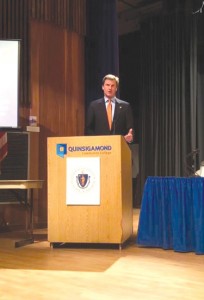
<point x="171" y="109"/>
<point x="101" y="56"/>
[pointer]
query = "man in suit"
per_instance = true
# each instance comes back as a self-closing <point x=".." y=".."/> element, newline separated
<point x="121" y="118"/>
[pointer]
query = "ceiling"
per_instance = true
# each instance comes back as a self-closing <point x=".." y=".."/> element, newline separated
<point x="132" y="12"/>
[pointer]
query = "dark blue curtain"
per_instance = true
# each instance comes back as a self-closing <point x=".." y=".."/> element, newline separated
<point x="101" y="49"/>
<point x="172" y="214"/>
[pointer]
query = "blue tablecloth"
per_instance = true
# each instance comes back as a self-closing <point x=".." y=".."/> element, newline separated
<point x="172" y="214"/>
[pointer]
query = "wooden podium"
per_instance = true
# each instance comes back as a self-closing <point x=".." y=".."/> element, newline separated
<point x="110" y="222"/>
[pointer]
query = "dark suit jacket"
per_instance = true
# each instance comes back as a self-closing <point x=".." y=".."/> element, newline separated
<point x="97" y="121"/>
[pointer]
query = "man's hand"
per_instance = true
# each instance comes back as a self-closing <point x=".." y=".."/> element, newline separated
<point x="129" y="137"/>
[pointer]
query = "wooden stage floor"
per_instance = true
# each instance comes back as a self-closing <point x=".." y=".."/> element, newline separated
<point x="38" y="272"/>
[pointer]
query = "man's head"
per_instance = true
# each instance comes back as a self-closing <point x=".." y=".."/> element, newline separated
<point x="110" y="85"/>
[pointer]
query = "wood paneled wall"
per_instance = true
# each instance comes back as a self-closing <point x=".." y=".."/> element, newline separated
<point x="15" y="18"/>
<point x="57" y="90"/>
<point x="52" y="86"/>
<point x="68" y="14"/>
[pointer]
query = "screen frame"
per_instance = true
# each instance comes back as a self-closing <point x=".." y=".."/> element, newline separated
<point x="7" y="127"/>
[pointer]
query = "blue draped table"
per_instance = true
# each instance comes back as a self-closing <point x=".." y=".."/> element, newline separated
<point x="172" y="214"/>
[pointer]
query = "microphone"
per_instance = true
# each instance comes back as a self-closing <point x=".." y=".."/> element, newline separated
<point x="195" y="151"/>
<point x="190" y="163"/>
<point x="200" y="10"/>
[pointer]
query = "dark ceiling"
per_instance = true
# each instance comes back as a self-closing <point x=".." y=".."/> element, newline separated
<point x="132" y="12"/>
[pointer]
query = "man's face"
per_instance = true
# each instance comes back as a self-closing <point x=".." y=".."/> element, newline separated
<point x="110" y="88"/>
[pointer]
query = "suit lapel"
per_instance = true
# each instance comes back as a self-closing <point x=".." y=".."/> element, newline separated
<point x="117" y="112"/>
<point x="102" y="108"/>
<point x="103" y="113"/>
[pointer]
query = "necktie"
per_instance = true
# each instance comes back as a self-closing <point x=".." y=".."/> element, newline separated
<point x="109" y="113"/>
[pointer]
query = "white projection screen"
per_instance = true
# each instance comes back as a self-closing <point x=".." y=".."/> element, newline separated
<point x="9" y="82"/>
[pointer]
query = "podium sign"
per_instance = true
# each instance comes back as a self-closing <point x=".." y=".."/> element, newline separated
<point x="89" y="190"/>
<point x="83" y="181"/>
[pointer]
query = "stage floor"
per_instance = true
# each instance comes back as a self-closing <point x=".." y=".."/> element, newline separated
<point x="38" y="272"/>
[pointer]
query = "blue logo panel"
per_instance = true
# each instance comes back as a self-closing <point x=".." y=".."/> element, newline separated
<point x="61" y="150"/>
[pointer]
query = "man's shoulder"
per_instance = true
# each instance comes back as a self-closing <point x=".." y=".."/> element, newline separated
<point x="97" y="101"/>
<point x="119" y="101"/>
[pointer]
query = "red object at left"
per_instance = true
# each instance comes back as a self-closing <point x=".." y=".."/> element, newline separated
<point x="3" y="145"/>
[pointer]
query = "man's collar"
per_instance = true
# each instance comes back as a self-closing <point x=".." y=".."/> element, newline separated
<point x="113" y="99"/>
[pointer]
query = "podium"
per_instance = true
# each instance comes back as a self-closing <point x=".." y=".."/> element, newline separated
<point x="110" y="221"/>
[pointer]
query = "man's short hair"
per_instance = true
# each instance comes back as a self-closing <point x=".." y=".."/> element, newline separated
<point x="111" y="77"/>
